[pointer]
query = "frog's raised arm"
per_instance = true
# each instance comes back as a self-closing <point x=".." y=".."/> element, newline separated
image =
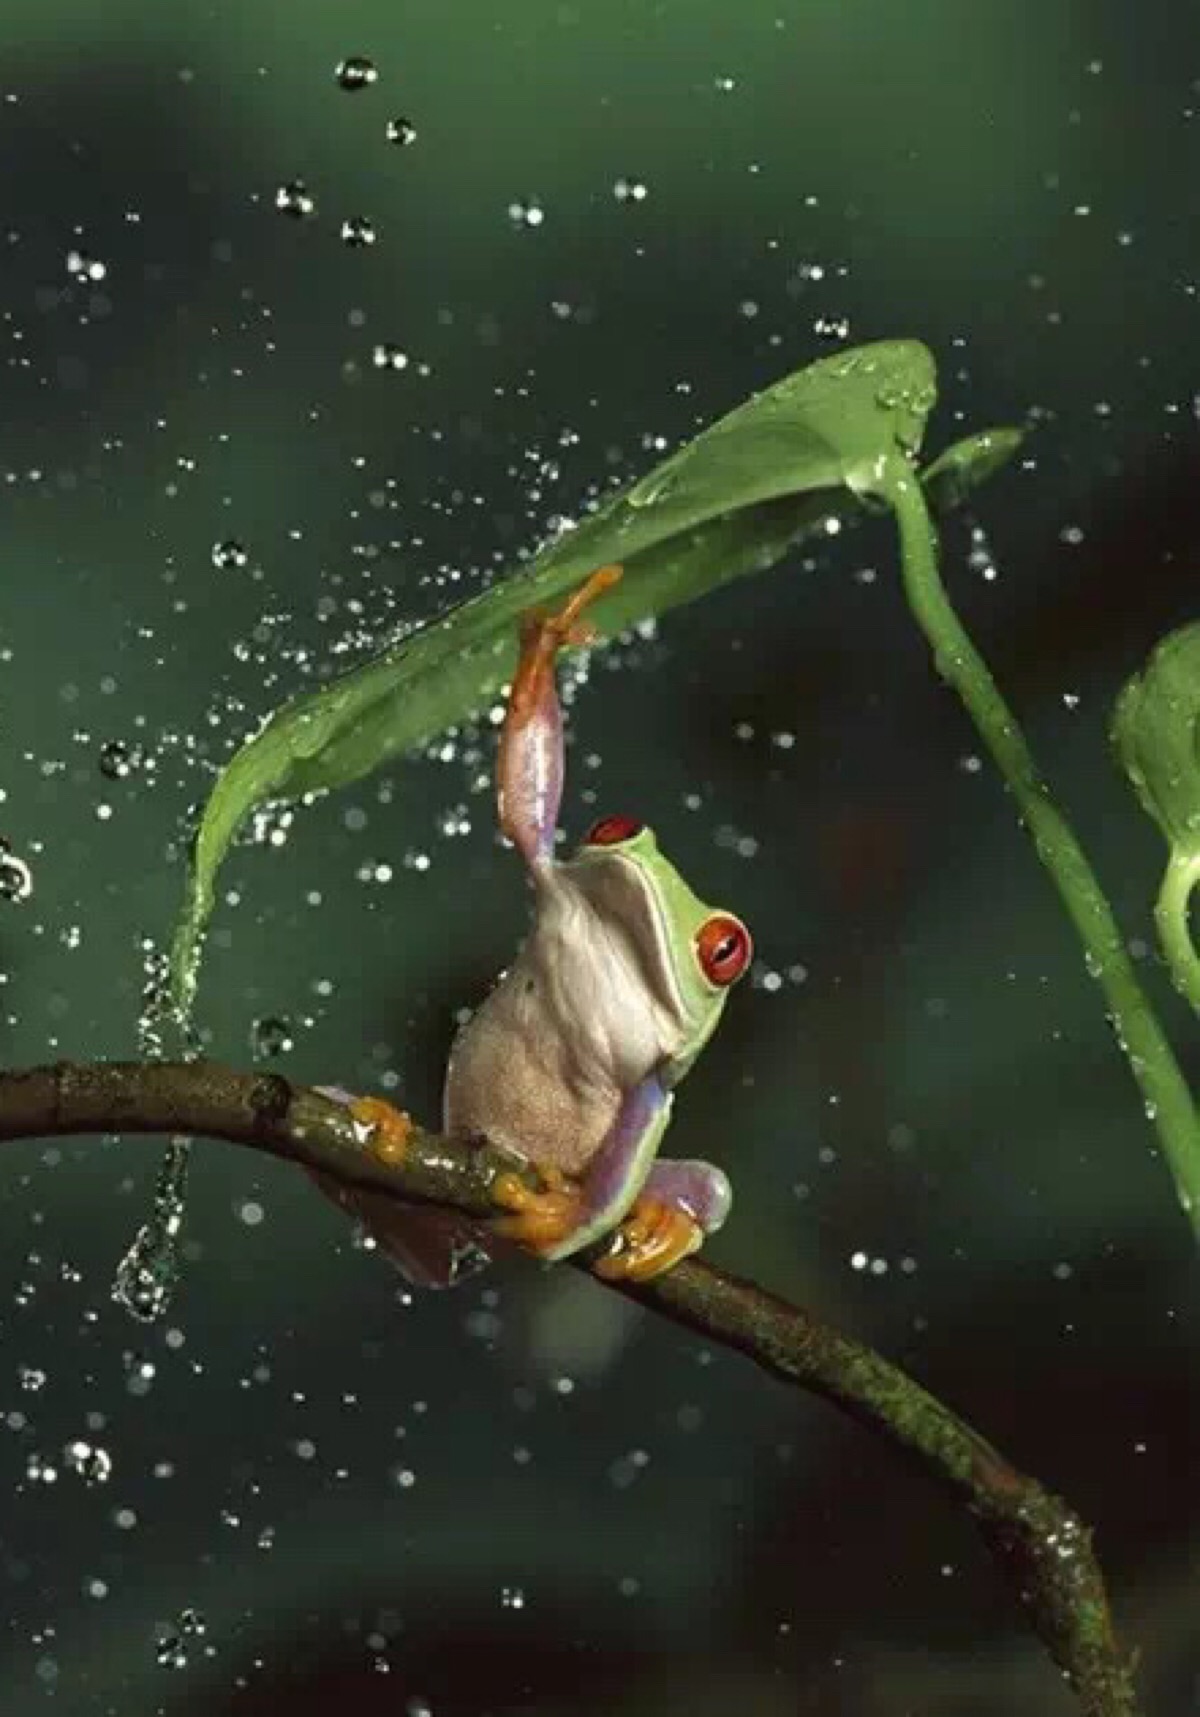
<point x="571" y="1061"/>
<point x="530" y="772"/>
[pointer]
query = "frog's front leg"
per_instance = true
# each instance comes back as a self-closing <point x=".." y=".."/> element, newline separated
<point x="679" y="1205"/>
<point x="569" y="1214"/>
<point x="530" y="774"/>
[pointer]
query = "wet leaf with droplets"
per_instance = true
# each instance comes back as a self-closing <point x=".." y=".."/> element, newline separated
<point x="1156" y="736"/>
<point x="959" y="469"/>
<point x="730" y="502"/>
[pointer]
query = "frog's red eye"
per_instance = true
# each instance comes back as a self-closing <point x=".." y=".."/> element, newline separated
<point x="611" y="831"/>
<point x="725" y="949"/>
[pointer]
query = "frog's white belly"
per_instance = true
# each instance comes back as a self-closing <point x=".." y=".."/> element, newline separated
<point x="541" y="1068"/>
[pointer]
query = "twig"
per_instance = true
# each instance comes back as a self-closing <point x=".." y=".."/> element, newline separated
<point x="1041" y="1548"/>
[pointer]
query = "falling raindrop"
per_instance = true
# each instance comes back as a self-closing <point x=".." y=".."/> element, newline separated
<point x="630" y="190"/>
<point x="229" y="553"/>
<point x="271" y="1036"/>
<point x="16" y="878"/>
<point x="402" y="132"/>
<point x="118" y="760"/>
<point x="92" y="1464"/>
<point x="528" y="213"/>
<point x="84" y="267"/>
<point x="356" y="72"/>
<point x="295" y="200"/>
<point x="358" y="232"/>
<point x="147" y="1274"/>
<point x="388" y="357"/>
<point x="170" y="1651"/>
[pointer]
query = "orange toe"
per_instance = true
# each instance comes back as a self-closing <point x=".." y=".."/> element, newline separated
<point x="537" y="1220"/>
<point x="652" y="1239"/>
<point x="390" y="1128"/>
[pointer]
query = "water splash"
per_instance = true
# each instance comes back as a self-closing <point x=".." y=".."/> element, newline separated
<point x="147" y="1275"/>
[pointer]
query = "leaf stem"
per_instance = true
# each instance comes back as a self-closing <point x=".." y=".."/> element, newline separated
<point x="1168" y="1101"/>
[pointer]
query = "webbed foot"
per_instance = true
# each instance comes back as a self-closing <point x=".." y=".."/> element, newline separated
<point x="538" y="1220"/>
<point x="652" y="1239"/>
<point x="544" y="632"/>
<point x="389" y="1129"/>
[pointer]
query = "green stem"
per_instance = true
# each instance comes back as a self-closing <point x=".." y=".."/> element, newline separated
<point x="1168" y="1101"/>
<point x="1171" y="917"/>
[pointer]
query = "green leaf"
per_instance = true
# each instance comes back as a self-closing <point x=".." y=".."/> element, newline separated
<point x="968" y="463"/>
<point x="1155" y="732"/>
<point x="731" y="501"/>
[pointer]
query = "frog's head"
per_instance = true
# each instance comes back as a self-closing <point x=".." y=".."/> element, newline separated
<point x="691" y="954"/>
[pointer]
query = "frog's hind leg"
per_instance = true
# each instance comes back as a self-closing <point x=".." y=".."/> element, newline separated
<point x="679" y="1205"/>
<point x="570" y="1214"/>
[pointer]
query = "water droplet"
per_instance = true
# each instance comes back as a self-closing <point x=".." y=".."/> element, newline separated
<point x="118" y="760"/>
<point x="630" y="190"/>
<point x="528" y="213"/>
<point x="358" y="232"/>
<point x="388" y="357"/>
<point x="81" y="266"/>
<point x="92" y="1464"/>
<point x="296" y="200"/>
<point x="402" y="132"/>
<point x="832" y="327"/>
<point x="147" y="1274"/>
<point x="229" y="553"/>
<point x="356" y="72"/>
<point x="270" y="1036"/>
<point x="170" y="1651"/>
<point x="16" y="878"/>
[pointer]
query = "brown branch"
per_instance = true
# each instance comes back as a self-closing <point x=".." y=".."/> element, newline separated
<point x="1041" y="1548"/>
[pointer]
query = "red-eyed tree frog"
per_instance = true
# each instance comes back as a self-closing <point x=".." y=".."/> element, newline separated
<point x="571" y="1062"/>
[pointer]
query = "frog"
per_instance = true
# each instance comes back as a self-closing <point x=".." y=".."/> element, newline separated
<point x="571" y="1064"/>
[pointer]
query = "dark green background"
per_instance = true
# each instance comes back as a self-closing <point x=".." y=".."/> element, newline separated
<point x="932" y="1079"/>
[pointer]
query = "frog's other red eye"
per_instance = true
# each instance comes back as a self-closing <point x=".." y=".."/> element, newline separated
<point x="725" y="949"/>
<point x="611" y="831"/>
